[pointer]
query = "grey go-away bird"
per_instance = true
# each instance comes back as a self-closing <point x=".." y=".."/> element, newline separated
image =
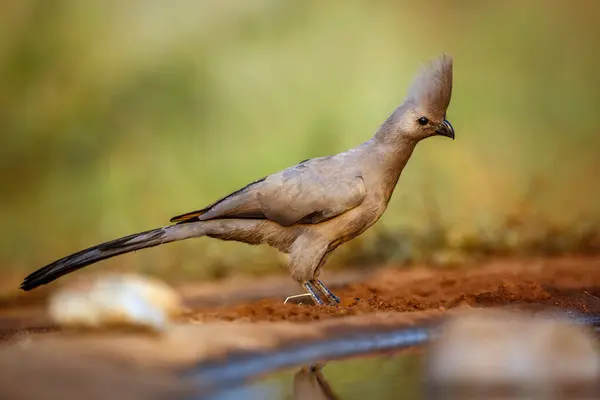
<point x="307" y="210"/>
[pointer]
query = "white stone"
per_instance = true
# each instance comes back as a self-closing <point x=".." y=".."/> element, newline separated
<point x="115" y="300"/>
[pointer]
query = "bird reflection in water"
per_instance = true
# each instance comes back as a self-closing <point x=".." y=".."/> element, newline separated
<point x="310" y="384"/>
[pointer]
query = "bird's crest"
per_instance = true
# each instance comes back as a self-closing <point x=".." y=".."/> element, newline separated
<point x="432" y="88"/>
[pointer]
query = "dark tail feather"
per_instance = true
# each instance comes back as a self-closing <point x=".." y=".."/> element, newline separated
<point x="100" y="252"/>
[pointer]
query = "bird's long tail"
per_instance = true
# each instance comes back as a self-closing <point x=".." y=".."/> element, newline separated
<point x="110" y="249"/>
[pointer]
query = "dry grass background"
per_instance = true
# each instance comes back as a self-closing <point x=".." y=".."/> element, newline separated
<point x="116" y="116"/>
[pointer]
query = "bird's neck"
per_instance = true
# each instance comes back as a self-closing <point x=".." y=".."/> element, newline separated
<point x="394" y="146"/>
<point x="389" y="154"/>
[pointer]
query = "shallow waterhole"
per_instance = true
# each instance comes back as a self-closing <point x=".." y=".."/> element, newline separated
<point x="378" y="376"/>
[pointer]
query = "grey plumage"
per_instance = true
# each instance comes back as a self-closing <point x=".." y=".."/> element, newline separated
<point x="307" y="210"/>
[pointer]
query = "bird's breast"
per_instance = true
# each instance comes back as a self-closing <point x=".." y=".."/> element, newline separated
<point x="354" y="222"/>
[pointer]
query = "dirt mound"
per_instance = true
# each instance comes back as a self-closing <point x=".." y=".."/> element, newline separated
<point x="570" y="282"/>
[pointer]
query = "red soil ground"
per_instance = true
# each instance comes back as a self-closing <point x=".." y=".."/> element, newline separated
<point x="567" y="283"/>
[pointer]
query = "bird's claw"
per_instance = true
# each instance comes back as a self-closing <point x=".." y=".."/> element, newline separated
<point x="308" y="286"/>
<point x="317" y="292"/>
<point x="300" y="299"/>
<point x="333" y="299"/>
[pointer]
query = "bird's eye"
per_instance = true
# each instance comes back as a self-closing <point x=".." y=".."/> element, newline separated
<point x="423" y="121"/>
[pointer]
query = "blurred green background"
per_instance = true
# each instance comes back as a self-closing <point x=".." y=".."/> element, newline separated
<point x="117" y="116"/>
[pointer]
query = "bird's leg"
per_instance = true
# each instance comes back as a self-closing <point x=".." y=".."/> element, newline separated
<point x="333" y="299"/>
<point x="308" y="286"/>
<point x="306" y="256"/>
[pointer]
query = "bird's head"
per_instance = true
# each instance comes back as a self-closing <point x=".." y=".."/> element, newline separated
<point x="423" y="113"/>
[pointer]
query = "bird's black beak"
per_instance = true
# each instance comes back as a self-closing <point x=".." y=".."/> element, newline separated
<point x="445" y="129"/>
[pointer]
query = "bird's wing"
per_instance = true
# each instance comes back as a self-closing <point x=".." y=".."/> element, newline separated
<point x="230" y="204"/>
<point x="311" y="192"/>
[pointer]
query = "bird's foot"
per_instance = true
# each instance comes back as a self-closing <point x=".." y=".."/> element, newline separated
<point x="317" y="292"/>
<point x="308" y="286"/>
<point x="332" y="298"/>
